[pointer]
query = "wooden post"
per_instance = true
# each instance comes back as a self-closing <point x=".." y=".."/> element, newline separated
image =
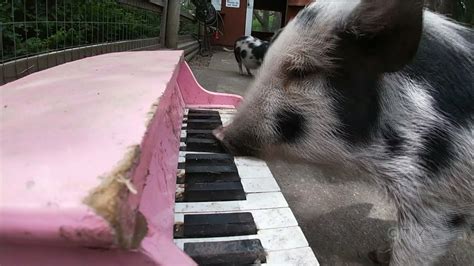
<point x="164" y="16"/>
<point x="172" y="24"/>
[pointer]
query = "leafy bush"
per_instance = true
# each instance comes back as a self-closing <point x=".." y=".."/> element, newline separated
<point x="37" y="26"/>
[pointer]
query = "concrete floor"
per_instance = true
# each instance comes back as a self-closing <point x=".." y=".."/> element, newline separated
<point x="342" y="217"/>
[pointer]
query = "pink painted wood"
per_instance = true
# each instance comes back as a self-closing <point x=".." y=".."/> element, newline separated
<point x="89" y="147"/>
<point x="196" y="96"/>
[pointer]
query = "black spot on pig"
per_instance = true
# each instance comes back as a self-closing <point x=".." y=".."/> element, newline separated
<point x="251" y="45"/>
<point x="452" y="91"/>
<point x="393" y="140"/>
<point x="243" y="54"/>
<point x="237" y="54"/>
<point x="456" y="221"/>
<point x="436" y="153"/>
<point x="358" y="106"/>
<point x="290" y="125"/>
<point x="260" y="51"/>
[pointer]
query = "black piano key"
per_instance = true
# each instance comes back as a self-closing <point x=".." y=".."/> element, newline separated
<point x="221" y="218"/>
<point x="203" y="123"/>
<point x="217" y="230"/>
<point x="200" y="133"/>
<point x="203" y="115"/>
<point x="214" y="176"/>
<point x="203" y="145"/>
<point x="191" y="140"/>
<point x="202" y="111"/>
<point x="216" y="225"/>
<point x="210" y="169"/>
<point x="237" y="252"/>
<point x="206" y="158"/>
<point x="208" y="178"/>
<point x="216" y="191"/>
<point x="206" y="168"/>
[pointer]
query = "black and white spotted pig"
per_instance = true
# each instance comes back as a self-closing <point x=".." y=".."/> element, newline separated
<point x="380" y="87"/>
<point x="250" y="52"/>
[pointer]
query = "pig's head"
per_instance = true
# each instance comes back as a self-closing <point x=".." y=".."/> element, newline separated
<point x="316" y="92"/>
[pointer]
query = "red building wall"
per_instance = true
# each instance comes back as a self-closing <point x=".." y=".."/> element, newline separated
<point x="234" y="19"/>
<point x="234" y="23"/>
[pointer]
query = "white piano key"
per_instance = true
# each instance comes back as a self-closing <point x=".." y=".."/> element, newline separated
<point x="264" y="219"/>
<point x="184" y="124"/>
<point x="226" y="111"/>
<point x="254" y="201"/>
<point x="183" y="133"/>
<point x="227" y="115"/>
<point x="249" y="161"/>
<point x="179" y="218"/>
<point x="252" y="168"/>
<point x="297" y="257"/>
<point x="257" y="185"/>
<point x="226" y="121"/>
<point x="272" y="239"/>
<point x="181" y="159"/>
<point x="282" y="238"/>
<point x="254" y="172"/>
<point x="274" y="218"/>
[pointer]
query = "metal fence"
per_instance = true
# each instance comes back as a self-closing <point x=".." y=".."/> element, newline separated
<point x="38" y="34"/>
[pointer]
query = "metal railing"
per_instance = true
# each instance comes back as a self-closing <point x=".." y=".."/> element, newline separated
<point x="37" y="34"/>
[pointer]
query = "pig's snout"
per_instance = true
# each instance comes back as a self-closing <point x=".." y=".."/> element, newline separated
<point x="236" y="143"/>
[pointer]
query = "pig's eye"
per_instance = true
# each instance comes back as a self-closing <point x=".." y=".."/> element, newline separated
<point x="298" y="73"/>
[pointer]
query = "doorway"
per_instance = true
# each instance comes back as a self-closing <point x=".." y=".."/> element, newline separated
<point x="249" y="17"/>
<point x="267" y="17"/>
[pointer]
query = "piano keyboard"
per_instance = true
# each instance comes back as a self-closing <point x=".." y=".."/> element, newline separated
<point x="230" y="210"/>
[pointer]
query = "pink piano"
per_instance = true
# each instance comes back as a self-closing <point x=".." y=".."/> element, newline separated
<point x="110" y="160"/>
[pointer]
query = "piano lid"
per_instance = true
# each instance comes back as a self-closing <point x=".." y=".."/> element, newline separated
<point x="70" y="139"/>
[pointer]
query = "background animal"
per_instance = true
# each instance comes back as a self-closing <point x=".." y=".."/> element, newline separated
<point x="381" y="88"/>
<point x="250" y="52"/>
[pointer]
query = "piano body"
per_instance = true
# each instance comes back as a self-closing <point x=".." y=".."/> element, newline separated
<point x="109" y="161"/>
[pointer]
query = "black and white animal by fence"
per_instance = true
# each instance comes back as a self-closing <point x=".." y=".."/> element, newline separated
<point x="250" y="51"/>
<point x="380" y="87"/>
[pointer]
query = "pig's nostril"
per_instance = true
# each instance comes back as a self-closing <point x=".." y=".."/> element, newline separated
<point x="219" y="133"/>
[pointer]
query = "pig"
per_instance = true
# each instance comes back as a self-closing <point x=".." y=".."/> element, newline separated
<point x="250" y="52"/>
<point x="379" y="87"/>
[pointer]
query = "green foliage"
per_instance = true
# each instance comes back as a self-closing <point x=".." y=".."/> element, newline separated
<point x="460" y="10"/>
<point x="187" y="27"/>
<point x="38" y="26"/>
<point x="187" y="6"/>
<point x="266" y="21"/>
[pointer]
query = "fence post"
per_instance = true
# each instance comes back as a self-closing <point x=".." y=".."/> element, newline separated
<point x="164" y="14"/>
<point x="172" y="24"/>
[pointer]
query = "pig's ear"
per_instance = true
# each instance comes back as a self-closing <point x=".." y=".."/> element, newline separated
<point x="387" y="32"/>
